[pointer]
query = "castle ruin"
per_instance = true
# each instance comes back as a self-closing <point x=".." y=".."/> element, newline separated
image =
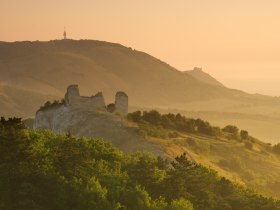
<point x="73" y="99"/>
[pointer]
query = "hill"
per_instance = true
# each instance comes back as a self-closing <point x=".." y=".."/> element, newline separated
<point x="239" y="157"/>
<point x="34" y="72"/>
<point x="202" y="76"/>
<point x="49" y="67"/>
<point x="234" y="154"/>
<point x="15" y="101"/>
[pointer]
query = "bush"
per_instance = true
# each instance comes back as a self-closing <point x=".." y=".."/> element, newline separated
<point x="181" y="204"/>
<point x="111" y="108"/>
<point x="232" y="130"/>
<point x="249" y="145"/>
<point x="49" y="104"/>
<point x="244" y="134"/>
<point x="135" y="116"/>
<point x="153" y="117"/>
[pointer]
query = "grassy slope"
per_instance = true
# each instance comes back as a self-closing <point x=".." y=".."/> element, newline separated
<point x="249" y="166"/>
<point x="257" y="167"/>
<point x="261" y="126"/>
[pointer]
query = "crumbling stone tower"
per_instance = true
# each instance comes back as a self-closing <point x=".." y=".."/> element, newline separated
<point x="73" y="99"/>
<point x="121" y="103"/>
<point x="72" y="95"/>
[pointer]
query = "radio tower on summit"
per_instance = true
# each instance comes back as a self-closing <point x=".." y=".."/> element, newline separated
<point x="64" y="34"/>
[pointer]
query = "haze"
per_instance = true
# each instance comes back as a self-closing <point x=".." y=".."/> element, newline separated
<point x="237" y="42"/>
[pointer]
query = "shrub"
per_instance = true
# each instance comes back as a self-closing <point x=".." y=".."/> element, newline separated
<point x="230" y="129"/>
<point x="249" y="145"/>
<point x="111" y="108"/>
<point x="55" y="103"/>
<point x="135" y="116"/>
<point x="244" y="134"/>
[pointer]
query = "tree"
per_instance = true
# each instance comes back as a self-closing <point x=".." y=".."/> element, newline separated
<point x="231" y="129"/>
<point x="152" y="117"/>
<point x="135" y="116"/>
<point x="181" y="204"/>
<point x="15" y="154"/>
<point x="244" y="134"/>
<point x="111" y="108"/>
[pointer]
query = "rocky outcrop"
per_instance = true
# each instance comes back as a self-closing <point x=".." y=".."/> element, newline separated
<point x="52" y="118"/>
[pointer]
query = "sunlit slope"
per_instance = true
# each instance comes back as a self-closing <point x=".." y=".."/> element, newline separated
<point x="251" y="163"/>
<point x="202" y="76"/>
<point x="247" y="161"/>
<point x="260" y="125"/>
<point x="20" y="102"/>
<point x="49" y="67"/>
<point x="94" y="65"/>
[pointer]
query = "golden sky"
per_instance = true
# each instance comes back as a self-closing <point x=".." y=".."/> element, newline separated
<point x="236" y="41"/>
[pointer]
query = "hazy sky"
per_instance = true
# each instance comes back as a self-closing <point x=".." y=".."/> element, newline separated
<point x="236" y="41"/>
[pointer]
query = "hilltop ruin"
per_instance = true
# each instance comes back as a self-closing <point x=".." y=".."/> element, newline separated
<point x="96" y="102"/>
<point x="52" y="114"/>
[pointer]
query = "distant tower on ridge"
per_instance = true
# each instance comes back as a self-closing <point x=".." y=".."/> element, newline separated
<point x="64" y="34"/>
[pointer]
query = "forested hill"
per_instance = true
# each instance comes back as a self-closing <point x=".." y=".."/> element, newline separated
<point x="47" y="68"/>
<point x="43" y="170"/>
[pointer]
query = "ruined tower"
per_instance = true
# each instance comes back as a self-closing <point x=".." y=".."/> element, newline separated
<point x="121" y="103"/>
<point x="72" y="95"/>
<point x="96" y="102"/>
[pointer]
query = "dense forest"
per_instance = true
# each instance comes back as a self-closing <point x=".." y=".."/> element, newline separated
<point x="46" y="171"/>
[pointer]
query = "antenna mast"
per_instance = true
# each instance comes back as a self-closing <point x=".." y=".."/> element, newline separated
<point x="64" y="34"/>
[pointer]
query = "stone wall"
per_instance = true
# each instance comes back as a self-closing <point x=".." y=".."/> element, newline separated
<point x="73" y="99"/>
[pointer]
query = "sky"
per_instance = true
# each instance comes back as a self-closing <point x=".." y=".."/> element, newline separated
<point x="236" y="41"/>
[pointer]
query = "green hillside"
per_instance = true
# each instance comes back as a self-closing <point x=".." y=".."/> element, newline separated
<point x="230" y="151"/>
<point x="42" y="170"/>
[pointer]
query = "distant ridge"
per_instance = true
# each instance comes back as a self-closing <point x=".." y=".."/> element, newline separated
<point x="47" y="68"/>
<point x="202" y="76"/>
